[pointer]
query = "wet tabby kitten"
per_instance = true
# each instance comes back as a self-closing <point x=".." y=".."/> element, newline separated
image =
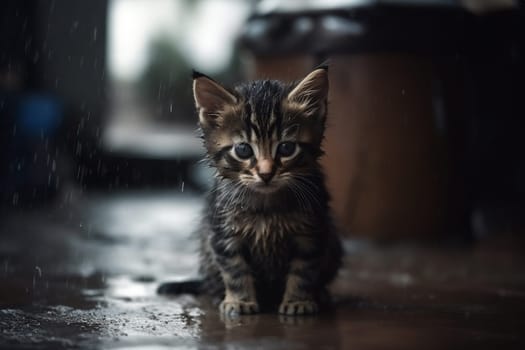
<point x="267" y="238"/>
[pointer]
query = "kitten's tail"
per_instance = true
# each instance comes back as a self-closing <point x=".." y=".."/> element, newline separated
<point x="194" y="287"/>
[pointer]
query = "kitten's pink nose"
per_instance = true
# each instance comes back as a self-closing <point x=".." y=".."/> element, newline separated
<point x="265" y="169"/>
<point x="266" y="177"/>
<point x="264" y="166"/>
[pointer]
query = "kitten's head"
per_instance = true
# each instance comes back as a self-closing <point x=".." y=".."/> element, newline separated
<point x="263" y="134"/>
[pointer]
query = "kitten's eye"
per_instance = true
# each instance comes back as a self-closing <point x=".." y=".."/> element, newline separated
<point x="243" y="150"/>
<point x="286" y="149"/>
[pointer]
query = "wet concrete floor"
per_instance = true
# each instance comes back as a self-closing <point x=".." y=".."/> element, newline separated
<point x="82" y="273"/>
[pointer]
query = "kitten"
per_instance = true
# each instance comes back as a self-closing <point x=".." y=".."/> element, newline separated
<point x="267" y="239"/>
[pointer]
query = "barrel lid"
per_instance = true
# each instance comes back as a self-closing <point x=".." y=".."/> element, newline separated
<point x="345" y="26"/>
<point x="297" y="6"/>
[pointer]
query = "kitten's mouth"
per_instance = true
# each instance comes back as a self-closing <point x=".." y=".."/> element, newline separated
<point x="263" y="187"/>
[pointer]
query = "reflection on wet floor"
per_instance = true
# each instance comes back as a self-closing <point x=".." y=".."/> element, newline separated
<point x="83" y="274"/>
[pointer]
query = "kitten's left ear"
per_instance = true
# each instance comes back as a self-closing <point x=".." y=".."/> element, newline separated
<point x="210" y="99"/>
<point x="311" y="92"/>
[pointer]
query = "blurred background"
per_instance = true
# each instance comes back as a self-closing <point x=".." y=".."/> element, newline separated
<point x="98" y="130"/>
<point x="425" y="122"/>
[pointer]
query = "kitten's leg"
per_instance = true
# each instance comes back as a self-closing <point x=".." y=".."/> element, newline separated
<point x="239" y="292"/>
<point x="302" y="280"/>
<point x="239" y="287"/>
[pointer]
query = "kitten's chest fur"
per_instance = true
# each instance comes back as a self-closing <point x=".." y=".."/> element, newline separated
<point x="266" y="238"/>
<point x="265" y="229"/>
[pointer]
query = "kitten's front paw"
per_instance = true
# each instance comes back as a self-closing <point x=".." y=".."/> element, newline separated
<point x="232" y="308"/>
<point x="303" y="307"/>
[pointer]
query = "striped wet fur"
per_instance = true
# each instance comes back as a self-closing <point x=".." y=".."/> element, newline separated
<point x="267" y="239"/>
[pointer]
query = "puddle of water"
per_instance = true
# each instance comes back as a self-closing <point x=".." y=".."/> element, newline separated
<point x="65" y="285"/>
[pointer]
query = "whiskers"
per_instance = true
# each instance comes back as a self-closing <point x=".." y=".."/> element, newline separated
<point x="305" y="189"/>
<point x="228" y="194"/>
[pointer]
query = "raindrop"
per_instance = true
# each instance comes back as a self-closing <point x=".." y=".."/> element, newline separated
<point x="74" y="27"/>
<point x="159" y="91"/>
<point x="171" y="107"/>
<point x="38" y="271"/>
<point x="54" y="166"/>
<point x="78" y="150"/>
<point x="403" y="92"/>
<point x="182" y="187"/>
<point x="95" y="33"/>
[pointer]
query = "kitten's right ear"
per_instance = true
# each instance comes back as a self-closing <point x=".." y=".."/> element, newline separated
<point x="310" y="93"/>
<point x="210" y="99"/>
